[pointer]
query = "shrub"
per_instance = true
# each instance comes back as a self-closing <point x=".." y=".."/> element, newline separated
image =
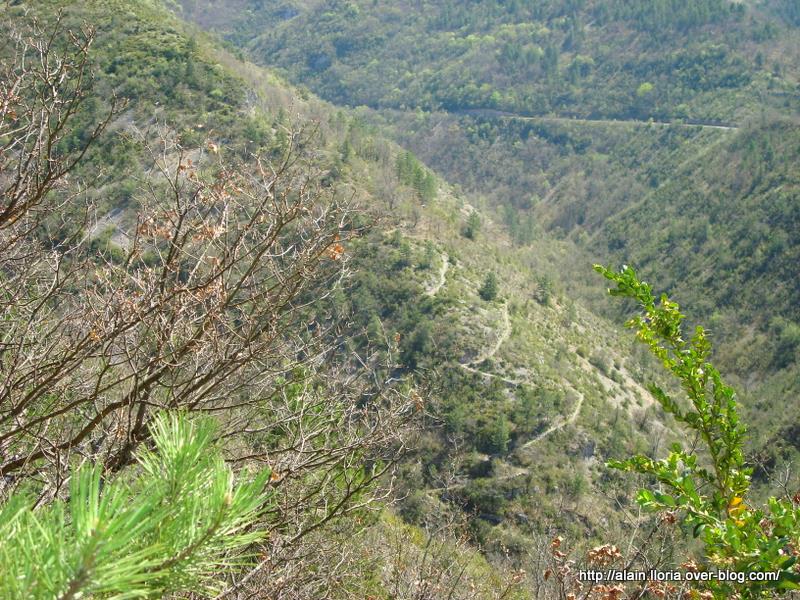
<point x="711" y="488"/>
<point x="488" y="291"/>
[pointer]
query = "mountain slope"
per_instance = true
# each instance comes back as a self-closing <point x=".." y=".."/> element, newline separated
<point x="702" y="60"/>
<point x="529" y="392"/>
<point x="680" y="160"/>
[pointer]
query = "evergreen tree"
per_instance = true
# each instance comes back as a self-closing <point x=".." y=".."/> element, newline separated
<point x="488" y="291"/>
<point x="473" y="226"/>
<point x="170" y="529"/>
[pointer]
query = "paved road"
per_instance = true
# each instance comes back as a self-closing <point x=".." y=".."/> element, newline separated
<point x="480" y="112"/>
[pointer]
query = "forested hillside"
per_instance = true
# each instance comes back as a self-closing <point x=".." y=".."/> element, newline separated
<point x="658" y="134"/>
<point x="714" y="62"/>
<point x="707" y="60"/>
<point x="378" y="286"/>
<point x="298" y="302"/>
<point x="715" y="209"/>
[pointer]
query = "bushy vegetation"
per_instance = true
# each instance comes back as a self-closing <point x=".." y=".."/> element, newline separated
<point x="413" y="174"/>
<point x="316" y="287"/>
<point x="454" y="81"/>
<point x="612" y="58"/>
<point x="709" y="486"/>
<point x="147" y="271"/>
<point x="741" y="222"/>
<point x="488" y="289"/>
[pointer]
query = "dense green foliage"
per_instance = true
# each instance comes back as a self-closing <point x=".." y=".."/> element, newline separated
<point x="413" y="174"/>
<point x="716" y="207"/>
<point x="168" y="527"/>
<point x="711" y="486"/>
<point x="608" y="58"/>
<point x="690" y="203"/>
<point x="598" y="181"/>
<point x="727" y="242"/>
<point x="488" y="289"/>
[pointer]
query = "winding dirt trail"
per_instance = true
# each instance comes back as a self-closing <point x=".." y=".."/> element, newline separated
<point x="506" y="380"/>
<point x="501" y="339"/>
<point x="561" y="424"/>
<point x="434" y="289"/>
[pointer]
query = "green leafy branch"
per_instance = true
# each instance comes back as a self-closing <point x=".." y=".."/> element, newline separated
<point x="711" y="490"/>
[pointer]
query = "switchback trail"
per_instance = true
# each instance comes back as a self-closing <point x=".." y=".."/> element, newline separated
<point x="561" y="424"/>
<point x="501" y="339"/>
<point x="434" y="289"/>
<point x="506" y="380"/>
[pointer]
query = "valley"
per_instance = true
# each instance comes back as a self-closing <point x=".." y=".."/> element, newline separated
<point x="358" y="239"/>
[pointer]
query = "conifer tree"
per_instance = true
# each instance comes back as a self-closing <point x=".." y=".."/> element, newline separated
<point x="489" y="288"/>
<point x="181" y="519"/>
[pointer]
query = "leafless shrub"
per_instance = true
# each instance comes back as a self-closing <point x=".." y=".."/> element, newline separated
<point x="43" y="80"/>
<point x="208" y="304"/>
